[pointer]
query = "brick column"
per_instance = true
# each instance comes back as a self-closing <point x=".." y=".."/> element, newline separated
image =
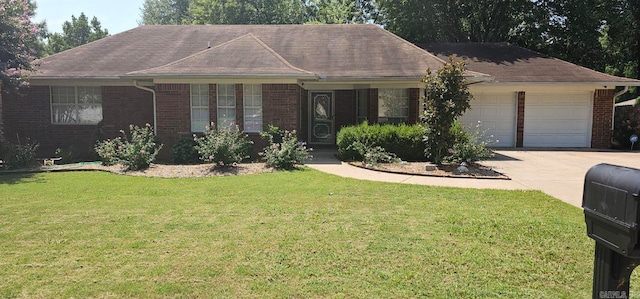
<point x="602" y="118"/>
<point x="520" y="120"/>
<point x="173" y="115"/>
<point x="414" y="106"/>
<point x="373" y="106"/>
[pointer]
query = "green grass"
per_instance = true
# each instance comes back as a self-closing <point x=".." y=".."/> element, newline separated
<point x="301" y="234"/>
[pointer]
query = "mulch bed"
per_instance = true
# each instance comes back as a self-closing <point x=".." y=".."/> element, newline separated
<point x="475" y="170"/>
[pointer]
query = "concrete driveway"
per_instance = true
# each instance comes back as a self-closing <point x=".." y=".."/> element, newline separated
<point x="559" y="173"/>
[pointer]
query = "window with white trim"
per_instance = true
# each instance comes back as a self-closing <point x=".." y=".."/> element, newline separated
<point x="199" y="107"/>
<point x="78" y="105"/>
<point x="252" y="102"/>
<point x="393" y="105"/>
<point x="226" y="105"/>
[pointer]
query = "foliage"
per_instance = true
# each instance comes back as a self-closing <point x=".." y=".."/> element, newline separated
<point x="164" y="12"/>
<point x="247" y="12"/>
<point x="447" y="98"/>
<point x="184" y="152"/>
<point x="373" y="155"/>
<point x="405" y="141"/>
<point x="136" y="153"/>
<point x="75" y="33"/>
<point x="284" y="150"/>
<point x="18" y="35"/>
<point x="469" y="146"/>
<point x="627" y="123"/>
<point x="458" y="20"/>
<point x="258" y="12"/>
<point x="225" y="147"/>
<point x="302" y="234"/>
<point x="66" y="155"/>
<point x="17" y="156"/>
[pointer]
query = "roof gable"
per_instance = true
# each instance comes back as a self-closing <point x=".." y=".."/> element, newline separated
<point x="512" y="64"/>
<point x="242" y="56"/>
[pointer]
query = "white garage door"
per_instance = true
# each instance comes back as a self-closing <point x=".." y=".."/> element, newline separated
<point x="497" y="114"/>
<point x="558" y="120"/>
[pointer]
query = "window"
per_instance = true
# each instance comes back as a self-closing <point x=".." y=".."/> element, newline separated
<point x="199" y="107"/>
<point x="393" y="106"/>
<point x="362" y="102"/>
<point x="252" y="94"/>
<point x="76" y="105"/>
<point x="226" y="105"/>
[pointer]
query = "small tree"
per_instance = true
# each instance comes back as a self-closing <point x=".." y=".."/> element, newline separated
<point x="447" y="98"/>
<point x="18" y="35"/>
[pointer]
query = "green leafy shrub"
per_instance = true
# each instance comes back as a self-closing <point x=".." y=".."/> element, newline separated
<point x="225" y="147"/>
<point x="627" y="123"/>
<point x="66" y="155"/>
<point x="469" y="146"/>
<point x="284" y="150"/>
<point x="405" y="141"/>
<point x="446" y="99"/>
<point x="135" y="153"/>
<point x="185" y="152"/>
<point x="16" y="156"/>
<point x="373" y="155"/>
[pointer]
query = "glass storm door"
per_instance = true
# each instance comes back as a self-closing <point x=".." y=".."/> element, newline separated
<point x="321" y="110"/>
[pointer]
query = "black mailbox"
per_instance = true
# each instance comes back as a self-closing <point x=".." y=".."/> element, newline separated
<point x="610" y="205"/>
<point x="611" y="213"/>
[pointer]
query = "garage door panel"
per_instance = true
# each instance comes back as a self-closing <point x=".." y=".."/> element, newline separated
<point x="496" y="112"/>
<point x="558" y="120"/>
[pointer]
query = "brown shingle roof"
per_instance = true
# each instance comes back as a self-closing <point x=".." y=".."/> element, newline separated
<point x="331" y="51"/>
<point x="513" y="64"/>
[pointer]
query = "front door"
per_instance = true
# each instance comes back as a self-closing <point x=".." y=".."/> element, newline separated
<point x="321" y="117"/>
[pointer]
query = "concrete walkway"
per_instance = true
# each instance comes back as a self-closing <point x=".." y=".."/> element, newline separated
<point x="559" y="173"/>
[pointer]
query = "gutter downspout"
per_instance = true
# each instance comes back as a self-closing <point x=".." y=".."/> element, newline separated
<point x="613" y="114"/>
<point x="153" y="93"/>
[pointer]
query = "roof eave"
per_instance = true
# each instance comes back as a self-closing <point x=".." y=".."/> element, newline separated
<point x="555" y="83"/>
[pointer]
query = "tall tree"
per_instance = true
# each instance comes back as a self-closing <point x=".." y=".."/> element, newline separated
<point x="75" y="33"/>
<point x="456" y="20"/>
<point x="18" y="35"/>
<point x="164" y="12"/>
<point x="247" y="11"/>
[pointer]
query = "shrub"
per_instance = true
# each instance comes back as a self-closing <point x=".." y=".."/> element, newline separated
<point x="134" y="154"/>
<point x="225" y="147"/>
<point x="627" y="123"/>
<point x="373" y="155"/>
<point x="185" y="152"/>
<point x="405" y="141"/>
<point x="284" y="150"/>
<point x="446" y="99"/>
<point x="66" y="155"/>
<point x="109" y="151"/>
<point x="16" y="156"/>
<point x="469" y="146"/>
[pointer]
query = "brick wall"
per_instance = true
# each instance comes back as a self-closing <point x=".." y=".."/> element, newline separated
<point x="173" y="105"/>
<point x="345" y="109"/>
<point x="27" y="119"/>
<point x="520" y="120"/>
<point x="123" y="106"/>
<point x="414" y="105"/>
<point x="602" y="118"/>
<point x="373" y="106"/>
<point x="280" y="105"/>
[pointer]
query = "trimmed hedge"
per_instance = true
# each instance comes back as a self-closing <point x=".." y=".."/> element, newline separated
<point x="403" y="140"/>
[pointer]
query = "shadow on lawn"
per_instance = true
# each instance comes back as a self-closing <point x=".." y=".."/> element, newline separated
<point x="10" y="178"/>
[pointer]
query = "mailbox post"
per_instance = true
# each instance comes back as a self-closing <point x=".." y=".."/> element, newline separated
<point x="611" y="209"/>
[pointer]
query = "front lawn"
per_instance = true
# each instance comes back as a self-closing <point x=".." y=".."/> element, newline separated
<point x="301" y="234"/>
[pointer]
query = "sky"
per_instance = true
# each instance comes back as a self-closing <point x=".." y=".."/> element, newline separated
<point x="114" y="15"/>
